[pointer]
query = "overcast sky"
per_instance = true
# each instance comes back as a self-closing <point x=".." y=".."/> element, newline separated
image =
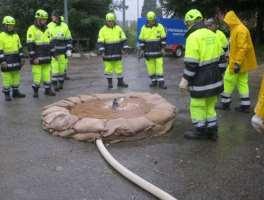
<point x="131" y="13"/>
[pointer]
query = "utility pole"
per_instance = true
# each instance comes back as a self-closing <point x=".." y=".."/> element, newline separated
<point x="124" y="12"/>
<point x="137" y="9"/>
<point x="66" y="11"/>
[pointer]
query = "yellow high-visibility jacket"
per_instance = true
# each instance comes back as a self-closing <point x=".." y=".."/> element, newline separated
<point x="10" y="51"/>
<point x="60" y="37"/>
<point x="111" y="41"/>
<point x="39" y="44"/>
<point x="152" y="39"/>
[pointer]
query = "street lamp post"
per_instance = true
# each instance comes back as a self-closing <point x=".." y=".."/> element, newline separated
<point x="124" y="12"/>
<point x="66" y="11"/>
<point x="137" y="9"/>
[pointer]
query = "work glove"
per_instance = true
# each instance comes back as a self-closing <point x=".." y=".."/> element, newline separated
<point x="236" y="68"/>
<point x="163" y="52"/>
<point x="36" y="61"/>
<point x="183" y="84"/>
<point x="140" y="53"/>
<point x="100" y="54"/>
<point x="4" y="65"/>
<point x="56" y="57"/>
<point x="22" y="61"/>
<point x="125" y="52"/>
<point x="68" y="53"/>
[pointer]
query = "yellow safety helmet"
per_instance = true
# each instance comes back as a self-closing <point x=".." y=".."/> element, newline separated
<point x="151" y="16"/>
<point x="192" y="15"/>
<point x="110" y="17"/>
<point x="8" y="20"/>
<point x="41" y="14"/>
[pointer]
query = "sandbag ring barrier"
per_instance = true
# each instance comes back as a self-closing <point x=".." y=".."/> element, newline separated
<point x="58" y="120"/>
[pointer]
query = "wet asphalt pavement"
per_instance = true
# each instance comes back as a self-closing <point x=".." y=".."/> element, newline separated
<point x="37" y="166"/>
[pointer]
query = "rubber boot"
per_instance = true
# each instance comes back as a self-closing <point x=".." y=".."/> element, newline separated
<point x="243" y="109"/>
<point x="110" y="83"/>
<point x="121" y="83"/>
<point x="49" y="92"/>
<point x="162" y="85"/>
<point x="55" y="86"/>
<point x="154" y="82"/>
<point x="223" y="106"/>
<point x="35" y="90"/>
<point x="212" y="133"/>
<point x="196" y="134"/>
<point x="61" y="82"/>
<point x="17" y="93"/>
<point x="7" y="95"/>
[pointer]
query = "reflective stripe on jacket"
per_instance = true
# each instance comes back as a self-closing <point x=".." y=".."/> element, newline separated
<point x="10" y="51"/>
<point x="202" y="55"/>
<point x="152" y="39"/>
<point x="60" y="37"/>
<point x="111" y="41"/>
<point x="39" y="44"/>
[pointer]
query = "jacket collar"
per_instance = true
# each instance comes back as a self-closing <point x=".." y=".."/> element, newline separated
<point x="42" y="28"/>
<point x="8" y="32"/>
<point x="149" y="26"/>
<point x="195" y="27"/>
<point x="109" y="26"/>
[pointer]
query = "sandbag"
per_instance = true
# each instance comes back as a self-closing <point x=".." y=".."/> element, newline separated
<point x="89" y="137"/>
<point x="160" y="116"/>
<point x="117" y="126"/>
<point x="87" y="125"/>
<point x="52" y="110"/>
<point x="127" y="127"/>
<point x="139" y="124"/>
<point x="74" y="100"/>
<point x="85" y="98"/>
<point x="63" y="121"/>
<point x="61" y="103"/>
<point x="65" y="133"/>
<point x="52" y="115"/>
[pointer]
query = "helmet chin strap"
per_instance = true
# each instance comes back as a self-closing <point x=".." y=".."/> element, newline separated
<point x="7" y="31"/>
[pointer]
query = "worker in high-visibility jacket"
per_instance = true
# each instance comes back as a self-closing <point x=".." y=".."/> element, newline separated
<point x="112" y="43"/>
<point x="11" y="59"/>
<point x="61" y="40"/>
<point x="212" y="25"/>
<point x="40" y="52"/>
<point x="242" y="60"/>
<point x="68" y="42"/>
<point x="257" y="120"/>
<point x="152" y="40"/>
<point x="202" y="76"/>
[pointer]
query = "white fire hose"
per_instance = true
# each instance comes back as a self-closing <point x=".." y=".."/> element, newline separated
<point x="154" y="190"/>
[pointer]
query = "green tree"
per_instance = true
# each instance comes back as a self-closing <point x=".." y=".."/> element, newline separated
<point x="23" y="11"/>
<point x="247" y="9"/>
<point x="150" y="5"/>
<point x="85" y="17"/>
